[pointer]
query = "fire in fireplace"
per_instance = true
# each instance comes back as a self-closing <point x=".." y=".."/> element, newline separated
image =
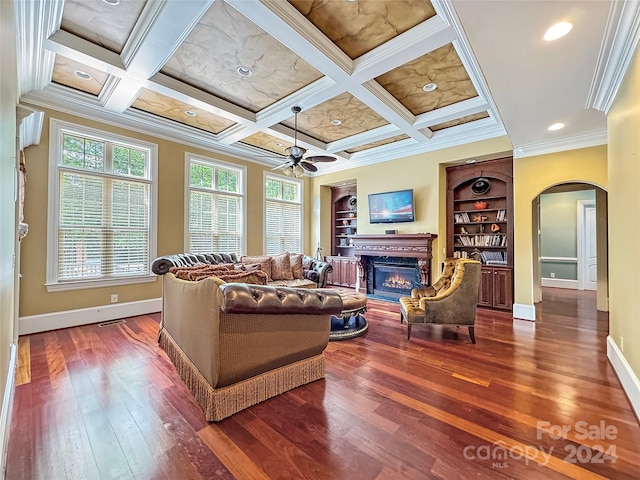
<point x="392" y="280"/>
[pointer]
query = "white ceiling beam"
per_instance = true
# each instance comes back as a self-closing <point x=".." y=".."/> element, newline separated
<point x="420" y="40"/>
<point x="451" y="112"/>
<point x="370" y="136"/>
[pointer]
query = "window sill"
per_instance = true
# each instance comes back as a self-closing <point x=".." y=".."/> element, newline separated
<point x="84" y="284"/>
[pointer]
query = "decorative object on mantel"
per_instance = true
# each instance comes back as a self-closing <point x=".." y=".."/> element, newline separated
<point x="480" y="205"/>
<point x="480" y="186"/>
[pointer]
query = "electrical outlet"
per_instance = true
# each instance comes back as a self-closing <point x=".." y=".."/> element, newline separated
<point x="114" y="298"/>
<point x="553" y="275"/>
<point x="621" y="344"/>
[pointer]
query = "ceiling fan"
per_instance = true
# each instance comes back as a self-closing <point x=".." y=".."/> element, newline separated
<point x="295" y="162"/>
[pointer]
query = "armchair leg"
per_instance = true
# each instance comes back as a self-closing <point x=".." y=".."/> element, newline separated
<point x="471" y="334"/>
<point x="401" y="317"/>
<point x="408" y="331"/>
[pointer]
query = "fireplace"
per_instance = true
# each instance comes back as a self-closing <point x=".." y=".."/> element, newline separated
<point x="409" y="254"/>
<point x="394" y="280"/>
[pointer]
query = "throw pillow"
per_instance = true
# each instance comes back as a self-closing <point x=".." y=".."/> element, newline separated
<point x="296" y="265"/>
<point x="281" y="267"/>
<point x="264" y="261"/>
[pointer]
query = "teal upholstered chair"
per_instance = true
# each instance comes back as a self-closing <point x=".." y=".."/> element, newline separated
<point x="455" y="305"/>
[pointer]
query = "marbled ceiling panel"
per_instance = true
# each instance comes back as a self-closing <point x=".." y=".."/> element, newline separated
<point x="173" y="109"/>
<point x="459" y="121"/>
<point x="63" y="73"/>
<point x="379" y="143"/>
<point x="355" y="117"/>
<point x="267" y="142"/>
<point x="101" y="23"/>
<point x="441" y="66"/>
<point x="224" y="40"/>
<point x="358" y="27"/>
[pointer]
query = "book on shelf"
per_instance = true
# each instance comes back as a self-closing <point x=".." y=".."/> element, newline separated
<point x="501" y="215"/>
<point x="494" y="258"/>
<point x="461" y="217"/>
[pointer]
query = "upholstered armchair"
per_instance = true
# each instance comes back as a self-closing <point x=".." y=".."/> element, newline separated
<point x="455" y="305"/>
<point x="448" y="266"/>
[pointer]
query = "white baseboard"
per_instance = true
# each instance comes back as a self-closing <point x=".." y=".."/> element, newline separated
<point x="559" y="283"/>
<point x="85" y="316"/>
<point x="7" y="405"/>
<point x="626" y="375"/>
<point x="524" y="312"/>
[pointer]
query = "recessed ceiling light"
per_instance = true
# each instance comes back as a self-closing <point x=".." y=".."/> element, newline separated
<point x="278" y="144"/>
<point x="112" y="2"/>
<point x="336" y="122"/>
<point x="472" y="160"/>
<point x="82" y="75"/>
<point x="557" y="30"/>
<point x="244" y="71"/>
<point x="190" y="113"/>
<point x="430" y="87"/>
<point x="556" y="126"/>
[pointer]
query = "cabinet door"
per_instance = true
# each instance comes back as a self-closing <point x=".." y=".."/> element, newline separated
<point x="485" y="292"/>
<point x="349" y="271"/>
<point x="502" y="294"/>
<point x="333" y="278"/>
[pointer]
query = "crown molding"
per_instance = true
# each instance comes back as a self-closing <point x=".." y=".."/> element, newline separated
<point x="569" y="143"/>
<point x="31" y="122"/>
<point x="36" y="21"/>
<point x="616" y="53"/>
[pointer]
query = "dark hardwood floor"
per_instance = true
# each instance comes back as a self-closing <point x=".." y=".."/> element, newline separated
<point x="105" y="403"/>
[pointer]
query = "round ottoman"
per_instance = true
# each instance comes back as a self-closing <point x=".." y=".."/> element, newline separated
<point x="350" y="323"/>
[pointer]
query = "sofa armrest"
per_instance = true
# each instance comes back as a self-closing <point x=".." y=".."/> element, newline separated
<point x="264" y="299"/>
<point x="317" y="270"/>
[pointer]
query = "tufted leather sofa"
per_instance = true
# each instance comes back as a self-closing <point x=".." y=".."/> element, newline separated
<point x="236" y="344"/>
<point x="315" y="271"/>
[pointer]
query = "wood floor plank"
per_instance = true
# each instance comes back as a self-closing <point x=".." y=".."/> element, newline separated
<point x="106" y="403"/>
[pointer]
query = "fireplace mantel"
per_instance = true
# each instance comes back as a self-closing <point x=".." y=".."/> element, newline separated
<point x="411" y="245"/>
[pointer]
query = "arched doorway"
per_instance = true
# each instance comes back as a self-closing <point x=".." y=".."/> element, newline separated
<point x="570" y="240"/>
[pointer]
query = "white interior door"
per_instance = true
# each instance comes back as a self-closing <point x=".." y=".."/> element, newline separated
<point x="587" y="252"/>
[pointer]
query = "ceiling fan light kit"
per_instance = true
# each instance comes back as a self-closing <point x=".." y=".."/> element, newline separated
<point x="295" y="164"/>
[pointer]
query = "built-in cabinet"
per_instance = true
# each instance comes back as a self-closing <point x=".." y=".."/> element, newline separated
<point x="345" y="271"/>
<point x="480" y="225"/>
<point x="344" y="226"/>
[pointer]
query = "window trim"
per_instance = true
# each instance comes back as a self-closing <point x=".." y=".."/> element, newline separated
<point x="284" y="178"/>
<point x="188" y="158"/>
<point x="56" y="129"/>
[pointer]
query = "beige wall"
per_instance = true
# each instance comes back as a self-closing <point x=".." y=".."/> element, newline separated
<point x="533" y="175"/>
<point x="623" y="125"/>
<point x="425" y="173"/>
<point x="171" y="179"/>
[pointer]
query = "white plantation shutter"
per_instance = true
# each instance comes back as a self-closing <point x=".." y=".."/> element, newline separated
<point x="283" y="222"/>
<point x="102" y="230"/>
<point x="216" y="214"/>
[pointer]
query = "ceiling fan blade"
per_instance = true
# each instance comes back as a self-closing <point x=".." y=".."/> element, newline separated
<point x="283" y="165"/>
<point x="308" y="166"/>
<point x="321" y="158"/>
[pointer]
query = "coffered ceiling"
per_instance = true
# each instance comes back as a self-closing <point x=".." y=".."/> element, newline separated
<point x="224" y="74"/>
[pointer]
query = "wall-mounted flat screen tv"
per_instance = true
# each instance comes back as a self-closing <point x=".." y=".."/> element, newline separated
<point x="391" y="207"/>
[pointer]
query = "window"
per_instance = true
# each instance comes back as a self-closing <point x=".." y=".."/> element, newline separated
<point x="101" y="228"/>
<point x="216" y="207"/>
<point x="283" y="215"/>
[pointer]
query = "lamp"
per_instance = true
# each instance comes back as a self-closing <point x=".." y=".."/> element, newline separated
<point x="298" y="172"/>
<point x="288" y="171"/>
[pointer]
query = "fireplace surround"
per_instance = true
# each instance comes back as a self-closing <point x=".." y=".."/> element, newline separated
<point x="403" y="248"/>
